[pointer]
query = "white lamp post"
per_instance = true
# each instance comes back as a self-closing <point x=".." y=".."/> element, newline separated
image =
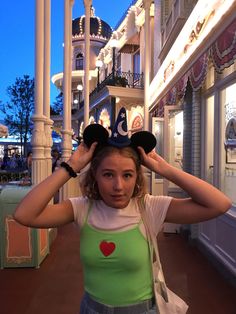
<point x="99" y="64"/>
<point x="113" y="44"/>
<point x="80" y="89"/>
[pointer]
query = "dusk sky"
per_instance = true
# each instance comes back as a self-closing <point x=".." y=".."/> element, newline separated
<point x="17" y="35"/>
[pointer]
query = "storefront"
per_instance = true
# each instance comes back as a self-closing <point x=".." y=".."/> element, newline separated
<point x="194" y="104"/>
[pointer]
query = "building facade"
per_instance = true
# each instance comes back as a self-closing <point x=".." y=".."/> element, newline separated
<point x="192" y="98"/>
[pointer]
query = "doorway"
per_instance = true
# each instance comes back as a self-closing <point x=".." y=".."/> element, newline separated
<point x="173" y="153"/>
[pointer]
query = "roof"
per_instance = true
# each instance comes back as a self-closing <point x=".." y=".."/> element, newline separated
<point x="98" y="27"/>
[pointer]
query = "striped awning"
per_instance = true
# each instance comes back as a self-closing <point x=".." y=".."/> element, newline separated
<point x="223" y="50"/>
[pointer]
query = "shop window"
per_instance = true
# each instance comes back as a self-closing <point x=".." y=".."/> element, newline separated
<point x="209" y="136"/>
<point x="158" y="131"/>
<point x="228" y="140"/>
<point x="118" y="63"/>
<point x="176" y="139"/>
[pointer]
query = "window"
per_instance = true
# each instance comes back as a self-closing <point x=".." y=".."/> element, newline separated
<point x="136" y="62"/>
<point x="79" y="62"/>
<point x="209" y="142"/>
<point x="118" y="64"/>
<point x="228" y="141"/>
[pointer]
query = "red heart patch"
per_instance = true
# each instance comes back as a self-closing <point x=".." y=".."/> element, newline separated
<point x="107" y="247"/>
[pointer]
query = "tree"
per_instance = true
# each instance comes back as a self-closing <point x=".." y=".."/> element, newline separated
<point x="18" y="111"/>
<point x="57" y="107"/>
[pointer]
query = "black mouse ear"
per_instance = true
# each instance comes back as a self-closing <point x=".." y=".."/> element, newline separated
<point x="95" y="133"/>
<point x="144" y="139"/>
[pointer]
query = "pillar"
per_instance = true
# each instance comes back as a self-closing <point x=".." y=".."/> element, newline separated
<point x="46" y="99"/>
<point x="147" y="58"/>
<point x="67" y="131"/>
<point x="38" y="138"/>
<point x="87" y="5"/>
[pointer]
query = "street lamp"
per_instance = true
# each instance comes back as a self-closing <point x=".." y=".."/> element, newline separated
<point x="98" y="65"/>
<point x="113" y="44"/>
<point x="80" y="89"/>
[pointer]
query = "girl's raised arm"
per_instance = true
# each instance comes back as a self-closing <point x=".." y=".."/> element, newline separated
<point x="35" y="211"/>
<point x="204" y="202"/>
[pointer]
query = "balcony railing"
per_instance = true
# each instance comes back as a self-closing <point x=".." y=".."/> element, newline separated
<point x="122" y="79"/>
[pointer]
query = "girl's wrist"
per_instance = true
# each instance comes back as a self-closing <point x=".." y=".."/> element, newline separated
<point x="69" y="169"/>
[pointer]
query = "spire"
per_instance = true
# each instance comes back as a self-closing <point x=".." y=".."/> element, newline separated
<point x="92" y="11"/>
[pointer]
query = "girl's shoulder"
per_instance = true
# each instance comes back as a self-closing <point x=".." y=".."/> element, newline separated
<point x="80" y="207"/>
<point x="157" y="200"/>
<point x="157" y="207"/>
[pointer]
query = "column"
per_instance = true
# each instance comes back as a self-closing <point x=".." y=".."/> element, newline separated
<point x="38" y="138"/>
<point x="157" y="35"/>
<point x="196" y="146"/>
<point x="46" y="99"/>
<point x="87" y="5"/>
<point x="67" y="133"/>
<point x="147" y="57"/>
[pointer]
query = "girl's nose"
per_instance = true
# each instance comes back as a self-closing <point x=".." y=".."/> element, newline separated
<point x="117" y="184"/>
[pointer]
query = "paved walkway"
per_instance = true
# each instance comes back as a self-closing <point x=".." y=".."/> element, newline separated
<point x="57" y="286"/>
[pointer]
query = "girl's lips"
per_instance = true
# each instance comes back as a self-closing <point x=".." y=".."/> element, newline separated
<point x="117" y="196"/>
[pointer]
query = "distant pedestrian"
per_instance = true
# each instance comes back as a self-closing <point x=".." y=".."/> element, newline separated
<point x="55" y="159"/>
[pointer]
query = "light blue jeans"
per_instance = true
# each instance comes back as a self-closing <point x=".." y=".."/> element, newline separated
<point x="85" y="308"/>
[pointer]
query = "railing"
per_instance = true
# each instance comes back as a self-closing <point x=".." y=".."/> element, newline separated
<point x="122" y="79"/>
<point x="6" y="177"/>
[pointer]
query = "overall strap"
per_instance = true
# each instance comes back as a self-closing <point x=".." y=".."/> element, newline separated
<point x="157" y="272"/>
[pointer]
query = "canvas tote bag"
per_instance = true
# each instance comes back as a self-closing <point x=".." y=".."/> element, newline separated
<point x="167" y="302"/>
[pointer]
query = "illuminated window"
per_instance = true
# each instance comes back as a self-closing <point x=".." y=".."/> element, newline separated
<point x="79" y="62"/>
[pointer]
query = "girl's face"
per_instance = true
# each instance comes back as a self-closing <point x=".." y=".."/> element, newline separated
<point x="116" y="177"/>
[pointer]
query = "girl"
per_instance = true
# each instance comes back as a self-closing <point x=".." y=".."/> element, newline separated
<point x="113" y="245"/>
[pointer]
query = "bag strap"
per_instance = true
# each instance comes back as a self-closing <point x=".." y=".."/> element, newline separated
<point x="157" y="272"/>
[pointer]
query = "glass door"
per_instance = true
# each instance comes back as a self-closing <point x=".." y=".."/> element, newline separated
<point x="173" y="144"/>
<point x="209" y="140"/>
<point x="228" y="142"/>
<point x="173" y="153"/>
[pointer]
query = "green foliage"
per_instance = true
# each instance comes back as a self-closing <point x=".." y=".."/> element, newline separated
<point x="57" y="107"/>
<point x="18" y="110"/>
<point x="118" y="81"/>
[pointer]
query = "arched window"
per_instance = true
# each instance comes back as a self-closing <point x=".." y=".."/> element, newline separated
<point x="79" y="62"/>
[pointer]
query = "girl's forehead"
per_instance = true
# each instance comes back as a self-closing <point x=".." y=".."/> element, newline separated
<point x="117" y="160"/>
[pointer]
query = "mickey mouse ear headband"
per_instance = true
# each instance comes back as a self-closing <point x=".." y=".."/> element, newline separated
<point x="119" y="137"/>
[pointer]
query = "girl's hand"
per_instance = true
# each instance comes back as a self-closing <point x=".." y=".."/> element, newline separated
<point x="81" y="157"/>
<point x="153" y="161"/>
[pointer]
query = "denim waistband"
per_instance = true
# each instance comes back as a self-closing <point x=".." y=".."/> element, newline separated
<point x="138" y="308"/>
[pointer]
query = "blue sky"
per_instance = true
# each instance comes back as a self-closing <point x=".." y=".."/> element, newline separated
<point x="17" y="30"/>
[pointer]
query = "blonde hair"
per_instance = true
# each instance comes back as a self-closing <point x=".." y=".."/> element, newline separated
<point x="88" y="184"/>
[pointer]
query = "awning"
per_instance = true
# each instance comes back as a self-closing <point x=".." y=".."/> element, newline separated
<point x="223" y="55"/>
<point x="129" y="48"/>
<point x="223" y="50"/>
<point x="197" y="73"/>
<point x="131" y="45"/>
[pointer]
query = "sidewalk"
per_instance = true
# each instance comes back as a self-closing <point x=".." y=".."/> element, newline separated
<point x="57" y="286"/>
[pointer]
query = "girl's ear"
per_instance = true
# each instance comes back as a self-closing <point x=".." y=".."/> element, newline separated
<point x="95" y="133"/>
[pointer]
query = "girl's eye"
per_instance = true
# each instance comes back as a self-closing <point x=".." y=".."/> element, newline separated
<point x="128" y="175"/>
<point x="107" y="174"/>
